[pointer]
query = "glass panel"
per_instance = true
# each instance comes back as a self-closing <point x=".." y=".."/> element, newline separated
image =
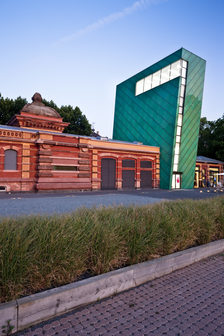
<point x="139" y="87"/>
<point x="178" y="130"/>
<point x="165" y="74"/>
<point x="128" y="163"/>
<point x="177" y="149"/>
<point x="184" y="64"/>
<point x="181" y="101"/>
<point x="173" y="181"/>
<point x="65" y="168"/>
<point x="182" y="90"/>
<point x="175" y="69"/>
<point x="183" y="81"/>
<point x="179" y="120"/>
<point x="156" y="79"/>
<point x="177" y="139"/>
<point x="10" y="162"/>
<point x="175" y="167"/>
<point x="183" y="72"/>
<point x="176" y="159"/>
<point x="146" y="164"/>
<point x="148" y="83"/>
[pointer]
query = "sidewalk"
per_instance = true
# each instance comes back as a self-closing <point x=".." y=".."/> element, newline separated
<point x="186" y="302"/>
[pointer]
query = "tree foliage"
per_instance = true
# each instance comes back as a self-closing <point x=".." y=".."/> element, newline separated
<point x="211" y="138"/>
<point x="9" y="107"/>
<point x="79" y="124"/>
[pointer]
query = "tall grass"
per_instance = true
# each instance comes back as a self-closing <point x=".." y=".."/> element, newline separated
<point x="39" y="252"/>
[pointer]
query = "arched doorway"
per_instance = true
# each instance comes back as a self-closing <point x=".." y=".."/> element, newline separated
<point x="108" y="173"/>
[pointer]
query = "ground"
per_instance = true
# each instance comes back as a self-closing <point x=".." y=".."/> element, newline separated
<point x="61" y="202"/>
<point x="187" y="302"/>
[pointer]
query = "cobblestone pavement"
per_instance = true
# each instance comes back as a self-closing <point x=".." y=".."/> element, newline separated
<point x="186" y="302"/>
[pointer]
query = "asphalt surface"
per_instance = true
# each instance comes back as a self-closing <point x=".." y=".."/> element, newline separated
<point x="188" y="302"/>
<point x="17" y="204"/>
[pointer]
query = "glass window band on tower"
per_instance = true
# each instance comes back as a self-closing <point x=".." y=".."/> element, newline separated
<point x="164" y="75"/>
<point x="176" y="177"/>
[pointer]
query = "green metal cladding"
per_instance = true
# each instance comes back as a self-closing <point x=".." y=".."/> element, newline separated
<point x="151" y="117"/>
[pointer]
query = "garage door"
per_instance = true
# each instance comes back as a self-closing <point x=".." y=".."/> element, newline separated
<point x="108" y="173"/>
<point x="146" y="179"/>
<point x="128" y="177"/>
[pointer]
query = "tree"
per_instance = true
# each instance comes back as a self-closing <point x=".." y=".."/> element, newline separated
<point x="79" y="124"/>
<point x="9" y="107"/>
<point x="218" y="139"/>
<point x="204" y="141"/>
<point x="211" y="138"/>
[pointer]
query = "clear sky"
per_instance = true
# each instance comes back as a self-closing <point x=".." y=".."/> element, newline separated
<point x="76" y="51"/>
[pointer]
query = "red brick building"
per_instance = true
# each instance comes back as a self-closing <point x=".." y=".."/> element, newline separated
<point x="36" y="155"/>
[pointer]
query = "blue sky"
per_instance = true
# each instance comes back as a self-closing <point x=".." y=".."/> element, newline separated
<point x="76" y="52"/>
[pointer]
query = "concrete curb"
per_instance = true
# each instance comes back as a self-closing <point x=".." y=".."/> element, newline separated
<point x="38" y="307"/>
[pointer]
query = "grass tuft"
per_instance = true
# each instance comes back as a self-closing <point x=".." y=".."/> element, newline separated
<point x="40" y="252"/>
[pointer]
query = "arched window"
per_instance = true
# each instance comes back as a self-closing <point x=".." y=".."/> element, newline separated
<point x="10" y="160"/>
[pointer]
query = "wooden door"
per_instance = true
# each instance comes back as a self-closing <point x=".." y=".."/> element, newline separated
<point x="108" y="173"/>
<point x="128" y="179"/>
<point x="146" y="179"/>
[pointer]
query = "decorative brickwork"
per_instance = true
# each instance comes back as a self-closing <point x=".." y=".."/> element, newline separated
<point x="47" y="159"/>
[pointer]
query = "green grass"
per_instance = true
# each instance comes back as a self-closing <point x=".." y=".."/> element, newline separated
<point x="37" y="253"/>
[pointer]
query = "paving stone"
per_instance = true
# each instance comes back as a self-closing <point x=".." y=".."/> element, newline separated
<point x="186" y="302"/>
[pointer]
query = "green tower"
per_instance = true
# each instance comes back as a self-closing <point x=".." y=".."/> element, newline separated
<point x="161" y="106"/>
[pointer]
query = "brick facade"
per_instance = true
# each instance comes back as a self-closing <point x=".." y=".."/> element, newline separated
<point x="42" y="157"/>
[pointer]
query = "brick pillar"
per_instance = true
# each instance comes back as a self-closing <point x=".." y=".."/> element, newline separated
<point x="157" y="170"/>
<point x="26" y="161"/>
<point x="119" y="174"/>
<point x="44" y="167"/>
<point x="95" y="171"/>
<point x="84" y="157"/>
<point x="25" y="166"/>
<point x="138" y="175"/>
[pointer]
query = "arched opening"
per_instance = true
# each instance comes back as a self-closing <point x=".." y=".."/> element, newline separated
<point x="108" y="173"/>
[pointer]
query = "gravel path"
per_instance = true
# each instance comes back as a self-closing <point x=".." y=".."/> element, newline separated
<point x="55" y="203"/>
<point x="16" y="206"/>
